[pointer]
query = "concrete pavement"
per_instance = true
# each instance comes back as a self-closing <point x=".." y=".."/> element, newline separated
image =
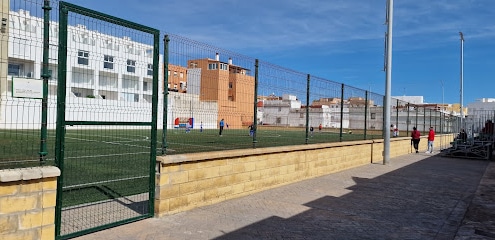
<point x="417" y="196"/>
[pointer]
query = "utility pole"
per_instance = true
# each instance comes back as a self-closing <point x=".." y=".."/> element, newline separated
<point x="462" y="78"/>
<point x="388" y="82"/>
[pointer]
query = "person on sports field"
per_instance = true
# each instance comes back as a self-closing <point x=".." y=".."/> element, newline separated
<point x="222" y="124"/>
<point x="251" y="130"/>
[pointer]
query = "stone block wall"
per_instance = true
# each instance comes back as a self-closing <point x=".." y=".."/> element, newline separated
<point x="193" y="180"/>
<point x="27" y="203"/>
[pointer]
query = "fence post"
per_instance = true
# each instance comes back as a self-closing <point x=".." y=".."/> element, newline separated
<point x="255" y="117"/>
<point x="430" y="116"/>
<point x="365" y="113"/>
<point x="417" y="110"/>
<point x="407" y="120"/>
<point x="45" y="75"/>
<point x="63" y="13"/>
<point x="397" y="116"/>
<point x="307" y="107"/>
<point x="166" y="40"/>
<point x="424" y="119"/>
<point x="154" y="119"/>
<point x="341" y="111"/>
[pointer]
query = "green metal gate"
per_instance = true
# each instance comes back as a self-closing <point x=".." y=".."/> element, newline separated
<point x="107" y="96"/>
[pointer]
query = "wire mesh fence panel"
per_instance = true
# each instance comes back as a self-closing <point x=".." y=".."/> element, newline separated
<point x="325" y="110"/>
<point x="26" y="124"/>
<point x="400" y="118"/>
<point x="355" y="109"/>
<point x="106" y="120"/>
<point x="375" y="116"/>
<point x="282" y="101"/>
<point x="211" y="97"/>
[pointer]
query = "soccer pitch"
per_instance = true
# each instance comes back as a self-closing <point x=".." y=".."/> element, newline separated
<point x="105" y="163"/>
<point x="21" y="148"/>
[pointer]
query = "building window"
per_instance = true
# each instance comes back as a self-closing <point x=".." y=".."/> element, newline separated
<point x="231" y="98"/>
<point x="145" y="86"/>
<point x="130" y="97"/>
<point x="109" y="44"/>
<point x="212" y="66"/>
<point x="181" y="75"/>
<point x="224" y="66"/>
<point x="230" y="85"/>
<point x="279" y="109"/>
<point x="373" y="115"/>
<point x="175" y="74"/>
<point x="15" y="69"/>
<point x="148" y="52"/>
<point x="169" y="72"/>
<point x="150" y="69"/>
<point x="108" y="62"/>
<point x="130" y="82"/>
<point x="83" y="57"/>
<point x="131" y="66"/>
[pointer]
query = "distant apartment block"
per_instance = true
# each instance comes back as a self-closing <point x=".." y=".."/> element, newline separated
<point x="231" y="86"/>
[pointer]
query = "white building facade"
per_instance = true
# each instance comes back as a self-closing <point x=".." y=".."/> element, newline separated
<point x="109" y="78"/>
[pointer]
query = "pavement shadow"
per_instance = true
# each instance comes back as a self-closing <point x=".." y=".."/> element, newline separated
<point x="424" y="200"/>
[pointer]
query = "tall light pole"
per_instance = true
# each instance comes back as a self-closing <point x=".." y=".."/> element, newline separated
<point x="388" y="82"/>
<point x="462" y="78"/>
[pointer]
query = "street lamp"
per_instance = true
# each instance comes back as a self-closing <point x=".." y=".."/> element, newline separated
<point x="462" y="77"/>
<point x="388" y="81"/>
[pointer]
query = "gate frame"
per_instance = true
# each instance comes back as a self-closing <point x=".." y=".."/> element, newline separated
<point x="64" y="9"/>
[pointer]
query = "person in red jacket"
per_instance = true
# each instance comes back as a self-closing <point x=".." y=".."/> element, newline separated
<point x="415" y="137"/>
<point x="431" y="138"/>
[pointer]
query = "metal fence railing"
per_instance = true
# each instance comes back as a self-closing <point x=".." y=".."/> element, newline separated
<point x="261" y="104"/>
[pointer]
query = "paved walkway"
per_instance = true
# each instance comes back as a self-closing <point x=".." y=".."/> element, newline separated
<point x="417" y="196"/>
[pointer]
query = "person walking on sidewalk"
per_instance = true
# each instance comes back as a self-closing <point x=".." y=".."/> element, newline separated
<point x="415" y="137"/>
<point x="431" y="138"/>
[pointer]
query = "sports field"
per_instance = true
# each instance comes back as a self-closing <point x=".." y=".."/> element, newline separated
<point x="20" y="148"/>
<point x="104" y="163"/>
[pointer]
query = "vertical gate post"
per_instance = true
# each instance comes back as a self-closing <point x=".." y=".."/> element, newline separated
<point x="166" y="40"/>
<point x="61" y="94"/>
<point x="307" y="107"/>
<point x="255" y="108"/>
<point x="45" y="75"/>
<point x="365" y="113"/>
<point x="341" y="111"/>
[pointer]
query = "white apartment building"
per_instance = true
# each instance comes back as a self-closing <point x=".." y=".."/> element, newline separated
<point x="288" y="111"/>
<point x="109" y="78"/>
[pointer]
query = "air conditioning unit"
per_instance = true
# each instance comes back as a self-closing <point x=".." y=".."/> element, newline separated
<point x="30" y="75"/>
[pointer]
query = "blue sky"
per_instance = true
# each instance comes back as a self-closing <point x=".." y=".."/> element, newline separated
<point x="341" y="40"/>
